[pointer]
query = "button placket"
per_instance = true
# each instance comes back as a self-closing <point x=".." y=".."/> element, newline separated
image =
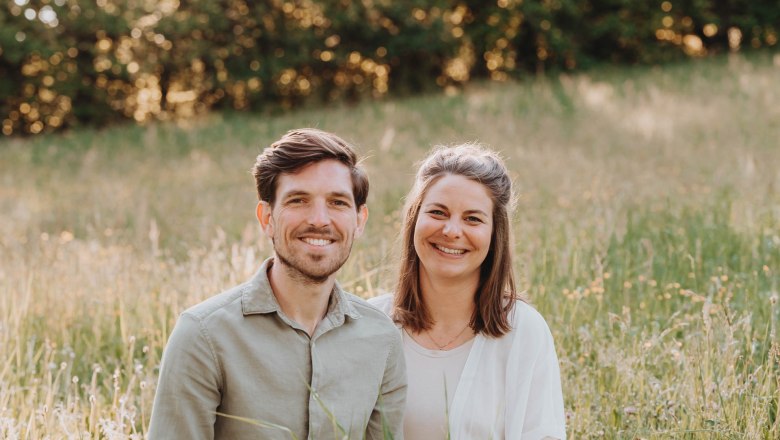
<point x="313" y="387"/>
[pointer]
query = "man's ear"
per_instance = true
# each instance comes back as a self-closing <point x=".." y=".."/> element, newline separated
<point x="362" y="218"/>
<point x="264" y="217"/>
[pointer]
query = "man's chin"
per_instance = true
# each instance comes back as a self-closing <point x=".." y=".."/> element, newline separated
<point x="321" y="269"/>
<point x="311" y="271"/>
<point x="317" y="276"/>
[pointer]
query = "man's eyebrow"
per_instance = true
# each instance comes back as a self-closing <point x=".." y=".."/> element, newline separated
<point x="294" y="193"/>
<point x="300" y="192"/>
<point x="341" y="194"/>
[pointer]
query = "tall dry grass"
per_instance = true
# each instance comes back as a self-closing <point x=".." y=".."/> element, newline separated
<point x="647" y="232"/>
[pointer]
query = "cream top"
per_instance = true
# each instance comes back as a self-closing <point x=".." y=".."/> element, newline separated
<point x="432" y="387"/>
<point x="509" y="387"/>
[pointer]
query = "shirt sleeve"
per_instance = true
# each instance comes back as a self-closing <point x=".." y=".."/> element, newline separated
<point x="188" y="390"/>
<point x="534" y="395"/>
<point x="387" y="416"/>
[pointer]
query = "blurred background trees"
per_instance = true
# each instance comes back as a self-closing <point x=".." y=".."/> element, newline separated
<point x="66" y="63"/>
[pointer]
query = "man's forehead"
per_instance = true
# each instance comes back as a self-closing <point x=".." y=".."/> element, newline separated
<point x="327" y="177"/>
<point x="291" y="192"/>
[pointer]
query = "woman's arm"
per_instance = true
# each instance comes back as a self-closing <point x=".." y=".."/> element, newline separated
<point x="534" y="395"/>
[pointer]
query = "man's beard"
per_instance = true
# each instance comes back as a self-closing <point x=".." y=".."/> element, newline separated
<point x="298" y="268"/>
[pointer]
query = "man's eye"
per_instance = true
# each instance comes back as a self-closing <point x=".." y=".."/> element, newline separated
<point x="340" y="203"/>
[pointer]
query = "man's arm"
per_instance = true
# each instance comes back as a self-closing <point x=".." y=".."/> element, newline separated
<point x="388" y="412"/>
<point x="188" y="390"/>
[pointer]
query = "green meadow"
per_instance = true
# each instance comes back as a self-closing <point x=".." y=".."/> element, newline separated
<point x="646" y="231"/>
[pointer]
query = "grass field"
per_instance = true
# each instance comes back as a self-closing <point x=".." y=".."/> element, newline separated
<point x="647" y="233"/>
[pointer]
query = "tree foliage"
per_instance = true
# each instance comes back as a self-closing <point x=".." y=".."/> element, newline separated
<point x="72" y="62"/>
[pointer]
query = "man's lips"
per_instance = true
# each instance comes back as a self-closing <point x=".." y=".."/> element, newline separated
<point x="320" y="242"/>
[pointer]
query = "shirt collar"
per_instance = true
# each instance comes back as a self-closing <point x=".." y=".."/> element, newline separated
<point x="258" y="297"/>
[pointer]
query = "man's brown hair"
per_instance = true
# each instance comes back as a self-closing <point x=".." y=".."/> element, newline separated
<point x="301" y="147"/>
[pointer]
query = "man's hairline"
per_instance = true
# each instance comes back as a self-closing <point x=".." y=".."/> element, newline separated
<point x="313" y="162"/>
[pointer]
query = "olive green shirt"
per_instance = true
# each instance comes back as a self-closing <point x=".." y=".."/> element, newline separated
<point x="238" y="354"/>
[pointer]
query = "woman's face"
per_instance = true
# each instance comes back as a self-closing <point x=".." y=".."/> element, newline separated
<point x="453" y="229"/>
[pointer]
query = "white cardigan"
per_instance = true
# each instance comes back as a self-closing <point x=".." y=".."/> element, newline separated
<point x="510" y="387"/>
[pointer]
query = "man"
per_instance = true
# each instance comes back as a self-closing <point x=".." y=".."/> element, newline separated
<point x="289" y="352"/>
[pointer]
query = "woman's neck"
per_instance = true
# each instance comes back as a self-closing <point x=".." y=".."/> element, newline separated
<point x="450" y="301"/>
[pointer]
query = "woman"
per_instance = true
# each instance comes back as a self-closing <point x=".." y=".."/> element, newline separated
<point x="480" y="362"/>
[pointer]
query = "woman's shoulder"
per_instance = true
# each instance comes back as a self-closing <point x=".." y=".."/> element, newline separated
<point x="383" y="303"/>
<point x="528" y="333"/>
<point x="525" y="319"/>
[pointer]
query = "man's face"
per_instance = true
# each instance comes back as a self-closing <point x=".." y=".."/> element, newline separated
<point x="314" y="220"/>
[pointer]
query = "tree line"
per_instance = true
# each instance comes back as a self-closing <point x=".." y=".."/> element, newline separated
<point x="67" y="63"/>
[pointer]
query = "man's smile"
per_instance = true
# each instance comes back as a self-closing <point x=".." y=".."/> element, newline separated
<point x="317" y="241"/>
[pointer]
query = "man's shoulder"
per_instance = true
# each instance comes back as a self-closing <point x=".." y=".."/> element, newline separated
<point x="224" y="301"/>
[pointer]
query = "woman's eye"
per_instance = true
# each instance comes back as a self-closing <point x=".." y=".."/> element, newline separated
<point x="436" y="212"/>
<point x="472" y="219"/>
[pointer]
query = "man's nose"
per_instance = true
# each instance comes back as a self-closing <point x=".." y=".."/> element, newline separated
<point x="319" y="215"/>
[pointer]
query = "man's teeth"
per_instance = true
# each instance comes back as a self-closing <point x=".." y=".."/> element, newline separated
<point x="449" y="251"/>
<point x="317" y="241"/>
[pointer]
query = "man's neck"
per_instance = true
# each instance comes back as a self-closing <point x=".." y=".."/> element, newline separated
<point x="304" y="303"/>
